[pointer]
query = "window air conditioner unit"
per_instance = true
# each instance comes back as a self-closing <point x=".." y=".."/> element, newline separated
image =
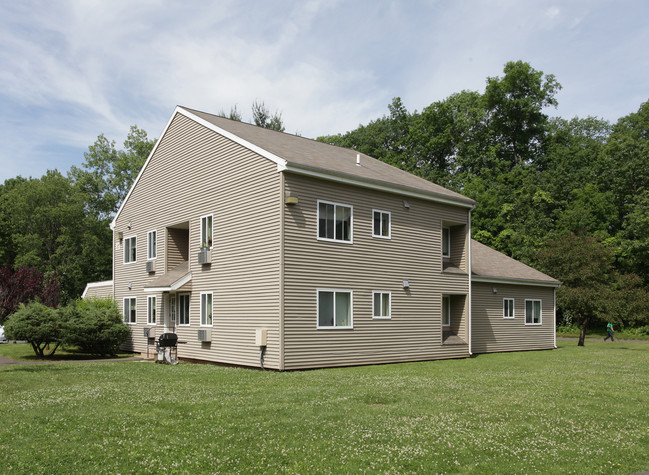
<point x="205" y="256"/>
<point x="205" y="334"/>
<point x="150" y="266"/>
<point x="149" y="332"/>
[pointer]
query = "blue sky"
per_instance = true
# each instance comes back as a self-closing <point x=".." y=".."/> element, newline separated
<point x="70" y="70"/>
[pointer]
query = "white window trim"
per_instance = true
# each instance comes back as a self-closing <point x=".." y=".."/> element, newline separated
<point x="513" y="308"/>
<point x="211" y="294"/>
<point x="351" y="222"/>
<point x="448" y="308"/>
<point x="178" y="298"/>
<point x="389" y="236"/>
<point x="446" y="229"/>
<point x="201" y="236"/>
<point x="540" y="312"/>
<point x="134" y="236"/>
<point x="129" y="322"/>
<point x="148" y="310"/>
<point x="351" y="309"/>
<point x="381" y="317"/>
<point x="148" y="245"/>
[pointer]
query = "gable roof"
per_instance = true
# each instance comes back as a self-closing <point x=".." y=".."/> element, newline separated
<point x="305" y="156"/>
<point x="489" y="265"/>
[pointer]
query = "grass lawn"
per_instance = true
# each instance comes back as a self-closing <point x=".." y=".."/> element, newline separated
<point x="579" y="410"/>
<point x="24" y="352"/>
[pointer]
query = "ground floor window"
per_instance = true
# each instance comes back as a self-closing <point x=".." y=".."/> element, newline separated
<point x="206" y="309"/>
<point x="151" y="311"/>
<point x="446" y="311"/>
<point x="532" y="312"/>
<point x="335" y="309"/>
<point x="381" y="304"/>
<point x="130" y="306"/>
<point x="183" y="309"/>
<point x="508" y="308"/>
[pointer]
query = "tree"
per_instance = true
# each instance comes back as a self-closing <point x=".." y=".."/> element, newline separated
<point x="94" y="325"/>
<point x="107" y="174"/>
<point x="585" y="266"/>
<point x="24" y="285"/>
<point x="263" y="118"/>
<point x="41" y="326"/>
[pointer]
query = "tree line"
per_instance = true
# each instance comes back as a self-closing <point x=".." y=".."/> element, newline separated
<point x="558" y="194"/>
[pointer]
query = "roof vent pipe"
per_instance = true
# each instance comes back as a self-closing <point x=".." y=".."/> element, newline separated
<point x="358" y="159"/>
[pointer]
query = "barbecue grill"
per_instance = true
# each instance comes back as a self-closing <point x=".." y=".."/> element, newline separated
<point x="166" y="344"/>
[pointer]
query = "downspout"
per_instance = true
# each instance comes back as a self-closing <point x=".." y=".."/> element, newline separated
<point x="470" y="284"/>
<point x="281" y="271"/>
<point x="554" y="316"/>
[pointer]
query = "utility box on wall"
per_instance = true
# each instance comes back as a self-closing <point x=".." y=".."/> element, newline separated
<point x="261" y="337"/>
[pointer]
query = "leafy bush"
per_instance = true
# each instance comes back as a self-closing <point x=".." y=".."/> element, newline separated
<point x="38" y="324"/>
<point x="640" y="330"/>
<point x="94" y="325"/>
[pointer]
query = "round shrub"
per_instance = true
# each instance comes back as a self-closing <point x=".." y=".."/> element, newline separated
<point x="38" y="324"/>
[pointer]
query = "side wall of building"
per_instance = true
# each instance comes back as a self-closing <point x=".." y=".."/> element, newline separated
<point x="193" y="173"/>
<point x="491" y="332"/>
<point x="414" y="253"/>
<point x="99" y="290"/>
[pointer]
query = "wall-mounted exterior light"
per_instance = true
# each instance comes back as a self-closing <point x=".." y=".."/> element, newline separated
<point x="495" y="290"/>
<point x="406" y="284"/>
<point x="291" y="199"/>
<point x="406" y="204"/>
<point x="120" y="235"/>
<point x="130" y="286"/>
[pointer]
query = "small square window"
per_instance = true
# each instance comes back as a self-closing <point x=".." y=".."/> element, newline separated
<point x="381" y="304"/>
<point x="508" y="308"/>
<point x="381" y="224"/>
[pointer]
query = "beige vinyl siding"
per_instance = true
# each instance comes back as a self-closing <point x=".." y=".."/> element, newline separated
<point x="493" y="333"/>
<point x="414" y="252"/>
<point x="195" y="172"/>
<point x="105" y="290"/>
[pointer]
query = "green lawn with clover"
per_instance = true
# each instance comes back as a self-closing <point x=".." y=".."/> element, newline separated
<point x="571" y="410"/>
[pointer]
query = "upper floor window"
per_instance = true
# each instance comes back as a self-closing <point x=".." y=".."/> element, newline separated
<point x="335" y="309"/>
<point x="532" y="312"/>
<point x="151" y="310"/>
<point x="206" y="309"/>
<point x="206" y="231"/>
<point x="334" y="222"/>
<point x="381" y="304"/>
<point x="130" y="307"/>
<point x="130" y="249"/>
<point x="508" y="308"/>
<point x="446" y="242"/>
<point x="446" y="311"/>
<point x="381" y="224"/>
<point x="152" y="244"/>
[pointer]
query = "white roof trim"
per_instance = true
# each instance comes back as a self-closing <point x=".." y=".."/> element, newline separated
<point x="173" y="287"/>
<point x="509" y="280"/>
<point x="91" y="285"/>
<point x="405" y="191"/>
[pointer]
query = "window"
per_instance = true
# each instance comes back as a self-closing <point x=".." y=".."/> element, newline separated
<point x="381" y="224"/>
<point x="183" y="309"/>
<point x="130" y="249"/>
<point x="334" y="222"/>
<point x="206" y="231"/>
<point x="152" y="245"/>
<point x="150" y="310"/>
<point x="446" y="242"/>
<point x="446" y="311"/>
<point x="334" y="309"/>
<point x="380" y="304"/>
<point x="206" y="309"/>
<point x="172" y="309"/>
<point x="508" y="308"/>
<point x="130" y="316"/>
<point x="532" y="312"/>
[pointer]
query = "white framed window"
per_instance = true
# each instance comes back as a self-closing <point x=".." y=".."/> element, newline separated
<point x="206" y="231"/>
<point x="508" y="308"/>
<point x="130" y="249"/>
<point x="150" y="310"/>
<point x="152" y="244"/>
<point x="381" y="223"/>
<point x="381" y="304"/>
<point x="183" y="309"/>
<point x="446" y="311"/>
<point x="532" y="312"/>
<point x="206" y="309"/>
<point x="335" y="222"/>
<point x="130" y="310"/>
<point x="335" y="309"/>
<point x="172" y="309"/>
<point x="446" y="242"/>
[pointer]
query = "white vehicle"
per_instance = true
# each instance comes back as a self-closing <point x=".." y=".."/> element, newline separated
<point x="3" y="339"/>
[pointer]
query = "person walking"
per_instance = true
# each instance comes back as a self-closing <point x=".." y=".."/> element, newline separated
<point x="610" y="331"/>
